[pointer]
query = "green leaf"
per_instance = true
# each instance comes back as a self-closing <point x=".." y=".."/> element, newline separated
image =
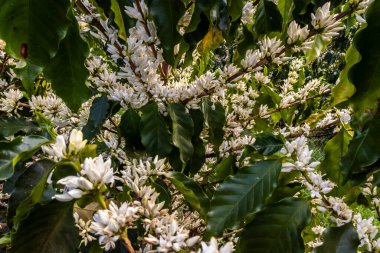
<point x="316" y="48"/>
<point x="115" y="7"/>
<point x="268" y="144"/>
<point x="183" y="129"/>
<point x="235" y="9"/>
<point x="276" y="229"/>
<point x="98" y="115"/>
<point x="223" y="169"/>
<point x="215" y="119"/>
<point x="66" y="70"/>
<point x="55" y="226"/>
<point x="365" y="75"/>
<point x="242" y="194"/>
<point x="27" y="74"/>
<point x="345" y="89"/>
<point x="268" y="18"/>
<point x="35" y="196"/>
<point x="160" y="186"/>
<point x="11" y="126"/>
<point x="166" y="15"/>
<point x="342" y="239"/>
<point x="46" y="125"/>
<point x="154" y="132"/>
<point x="33" y="30"/>
<point x="20" y="148"/>
<point x="191" y="191"/>
<point x="286" y="8"/>
<point x="334" y="150"/>
<point x="363" y="151"/>
<point x="25" y="184"/>
<point x="198" y="159"/>
<point x="130" y="127"/>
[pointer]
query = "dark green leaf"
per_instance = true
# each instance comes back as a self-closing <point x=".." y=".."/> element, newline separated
<point x="365" y="75"/>
<point x="183" y="129"/>
<point x="334" y="150"/>
<point x="268" y="18"/>
<point x="191" y="191"/>
<point x="49" y="229"/>
<point x="342" y="239"/>
<point x="242" y="194"/>
<point x="363" y="151"/>
<point x="154" y="133"/>
<point x="223" y="169"/>
<point x="66" y="70"/>
<point x="277" y="228"/>
<point x="215" y="119"/>
<point x="11" y="126"/>
<point x="268" y="143"/>
<point x="20" y="148"/>
<point x="166" y="15"/>
<point x="160" y="186"/>
<point x="130" y="127"/>
<point x="98" y="115"/>
<point x="24" y="185"/>
<point x="32" y="30"/>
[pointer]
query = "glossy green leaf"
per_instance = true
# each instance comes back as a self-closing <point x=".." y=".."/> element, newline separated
<point x="345" y="89"/>
<point x="166" y="15"/>
<point x="242" y="194"/>
<point x="276" y="229"/>
<point x="130" y="127"/>
<point x="365" y="75"/>
<point x="160" y="187"/>
<point x="49" y="229"/>
<point x="191" y="191"/>
<point x="198" y="159"/>
<point x="27" y="74"/>
<point x="183" y="129"/>
<point x="268" y="18"/>
<point x="20" y="148"/>
<point x="33" y="30"/>
<point x="11" y="126"/>
<point x="215" y="119"/>
<point x="267" y="143"/>
<point x="154" y="133"/>
<point x="363" y="150"/>
<point x="118" y="11"/>
<point x="223" y="169"/>
<point x="98" y="115"/>
<point x="342" y="239"/>
<point x="25" y="184"/>
<point x="66" y="70"/>
<point x="286" y="8"/>
<point x="334" y="150"/>
<point x="316" y="48"/>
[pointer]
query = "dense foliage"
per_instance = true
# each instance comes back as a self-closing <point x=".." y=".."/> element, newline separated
<point x="189" y="126"/>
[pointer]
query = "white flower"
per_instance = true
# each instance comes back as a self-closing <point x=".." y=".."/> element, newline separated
<point x="325" y="21"/>
<point x="247" y="13"/>
<point x="110" y="223"/>
<point x="58" y="149"/>
<point x="76" y="142"/>
<point x="296" y="33"/>
<point x="95" y="174"/>
<point x="212" y="247"/>
<point x="97" y="171"/>
<point x="9" y="102"/>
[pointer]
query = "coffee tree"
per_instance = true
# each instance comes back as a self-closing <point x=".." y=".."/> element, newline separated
<point x="189" y="126"/>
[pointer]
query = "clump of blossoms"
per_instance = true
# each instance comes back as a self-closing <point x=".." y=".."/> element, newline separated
<point x="188" y="133"/>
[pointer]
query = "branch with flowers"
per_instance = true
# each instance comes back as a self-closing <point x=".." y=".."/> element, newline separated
<point x="189" y="126"/>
